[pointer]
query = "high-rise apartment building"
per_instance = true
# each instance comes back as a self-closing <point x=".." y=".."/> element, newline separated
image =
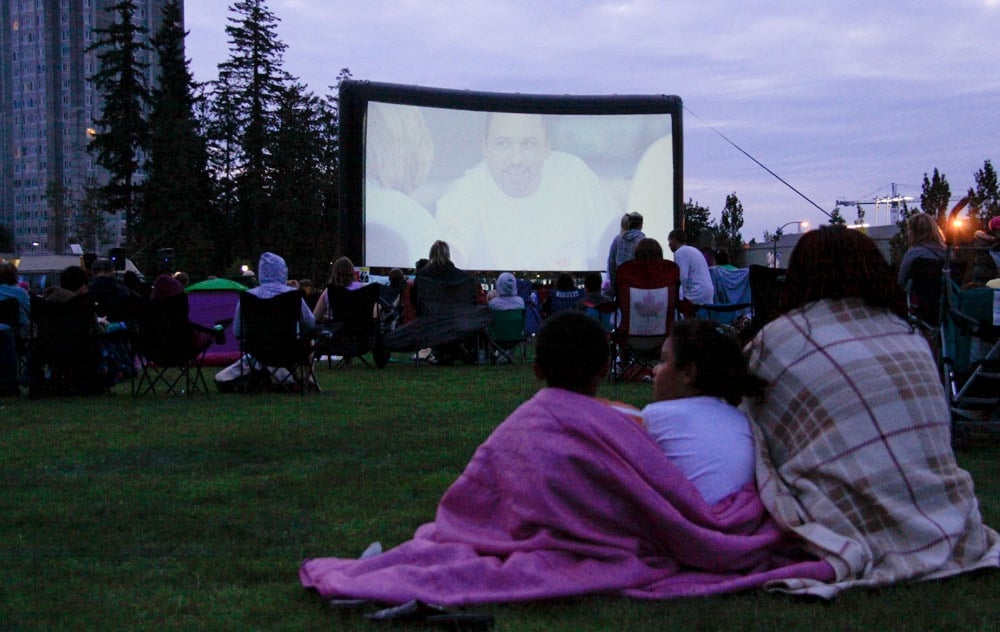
<point x="47" y="109"/>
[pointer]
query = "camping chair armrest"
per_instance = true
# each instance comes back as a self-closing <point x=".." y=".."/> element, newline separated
<point x="968" y="324"/>
<point x="217" y="331"/>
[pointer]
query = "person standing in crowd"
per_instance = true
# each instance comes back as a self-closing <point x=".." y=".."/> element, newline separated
<point x="696" y="278"/>
<point x="623" y="245"/>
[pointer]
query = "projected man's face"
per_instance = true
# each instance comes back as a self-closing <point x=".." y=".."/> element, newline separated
<point x="516" y="146"/>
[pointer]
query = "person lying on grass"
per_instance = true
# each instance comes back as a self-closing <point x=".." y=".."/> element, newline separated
<point x="701" y="378"/>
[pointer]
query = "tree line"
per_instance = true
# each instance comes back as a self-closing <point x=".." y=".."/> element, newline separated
<point x="219" y="171"/>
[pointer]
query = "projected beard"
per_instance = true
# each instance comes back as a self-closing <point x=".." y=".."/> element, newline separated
<point x="515" y="149"/>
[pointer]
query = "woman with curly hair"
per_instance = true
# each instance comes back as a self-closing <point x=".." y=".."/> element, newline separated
<point x="854" y="442"/>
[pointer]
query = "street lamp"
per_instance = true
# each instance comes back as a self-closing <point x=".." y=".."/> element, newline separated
<point x="777" y="236"/>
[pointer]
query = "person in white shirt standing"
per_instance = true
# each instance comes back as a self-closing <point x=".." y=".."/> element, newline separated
<point x="696" y="280"/>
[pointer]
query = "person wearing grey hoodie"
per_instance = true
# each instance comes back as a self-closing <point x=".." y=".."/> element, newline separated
<point x="273" y="274"/>
<point x="506" y="293"/>
<point x="623" y="245"/>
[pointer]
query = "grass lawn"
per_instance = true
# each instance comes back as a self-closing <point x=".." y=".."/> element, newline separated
<point x="194" y="513"/>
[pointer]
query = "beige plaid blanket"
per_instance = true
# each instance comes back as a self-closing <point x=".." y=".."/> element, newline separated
<point x="854" y="450"/>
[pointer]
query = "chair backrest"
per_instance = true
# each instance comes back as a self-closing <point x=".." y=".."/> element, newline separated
<point x="602" y="313"/>
<point x="164" y="334"/>
<point x="647" y="294"/>
<point x="439" y="297"/>
<point x="923" y="291"/>
<point x="354" y="309"/>
<point x="65" y="335"/>
<point x="562" y="299"/>
<point x="10" y="314"/>
<point x="507" y="325"/>
<point x="765" y="289"/>
<point x="269" y="328"/>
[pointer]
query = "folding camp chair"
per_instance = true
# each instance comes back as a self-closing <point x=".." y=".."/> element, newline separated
<point x="270" y="336"/>
<point x="647" y="295"/>
<point x="971" y="358"/>
<point x="765" y="288"/>
<point x="507" y="336"/>
<point x="354" y="328"/>
<point x="923" y="293"/>
<point x="64" y="353"/>
<point x="170" y="348"/>
<point x="732" y="307"/>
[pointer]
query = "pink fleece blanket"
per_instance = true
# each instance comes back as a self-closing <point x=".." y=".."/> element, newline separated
<point x="569" y="497"/>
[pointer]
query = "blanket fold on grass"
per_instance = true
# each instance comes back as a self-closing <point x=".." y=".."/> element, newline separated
<point x="569" y="497"/>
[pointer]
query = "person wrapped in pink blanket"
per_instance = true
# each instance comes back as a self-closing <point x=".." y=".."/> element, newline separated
<point x="569" y="496"/>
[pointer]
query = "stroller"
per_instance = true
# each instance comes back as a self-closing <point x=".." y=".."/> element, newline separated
<point x="970" y="357"/>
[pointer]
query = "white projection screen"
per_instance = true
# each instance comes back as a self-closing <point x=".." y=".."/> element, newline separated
<point x="515" y="182"/>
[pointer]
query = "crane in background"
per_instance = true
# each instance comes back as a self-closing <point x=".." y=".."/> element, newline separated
<point x="893" y="205"/>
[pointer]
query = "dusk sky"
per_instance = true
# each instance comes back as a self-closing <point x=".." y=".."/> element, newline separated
<point x="840" y="99"/>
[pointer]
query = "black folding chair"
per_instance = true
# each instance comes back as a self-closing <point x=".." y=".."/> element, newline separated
<point x="64" y="353"/>
<point x="270" y="335"/>
<point x="170" y="348"/>
<point x="354" y="328"/>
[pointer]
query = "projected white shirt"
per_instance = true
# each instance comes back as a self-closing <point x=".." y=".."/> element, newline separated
<point x="399" y="230"/>
<point x="560" y="226"/>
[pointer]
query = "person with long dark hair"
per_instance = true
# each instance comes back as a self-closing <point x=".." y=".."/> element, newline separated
<point x="854" y="442"/>
<point x="701" y="378"/>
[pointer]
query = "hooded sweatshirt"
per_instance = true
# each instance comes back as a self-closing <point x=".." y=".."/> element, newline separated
<point x="506" y="297"/>
<point x="622" y="250"/>
<point x="273" y="274"/>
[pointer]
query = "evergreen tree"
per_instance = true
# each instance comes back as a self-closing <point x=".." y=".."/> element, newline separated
<point x="935" y="196"/>
<point x="122" y="129"/>
<point x="697" y="222"/>
<point x="985" y="197"/>
<point x="297" y="165"/>
<point x="177" y="210"/>
<point x="728" y="234"/>
<point x="247" y="97"/>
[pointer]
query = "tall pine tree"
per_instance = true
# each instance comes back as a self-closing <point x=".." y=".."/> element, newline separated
<point x="122" y="129"/>
<point x="935" y="196"/>
<point x="177" y="211"/>
<point x="986" y="196"/>
<point x="729" y="236"/>
<point x="248" y="94"/>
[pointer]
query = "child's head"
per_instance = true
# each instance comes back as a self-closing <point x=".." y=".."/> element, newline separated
<point x="699" y="358"/>
<point x="571" y="352"/>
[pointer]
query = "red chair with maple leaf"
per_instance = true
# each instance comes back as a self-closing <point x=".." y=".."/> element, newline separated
<point x="648" y="293"/>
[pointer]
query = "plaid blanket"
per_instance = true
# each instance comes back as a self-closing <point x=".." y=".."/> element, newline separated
<point x="854" y="450"/>
<point x="568" y="497"/>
